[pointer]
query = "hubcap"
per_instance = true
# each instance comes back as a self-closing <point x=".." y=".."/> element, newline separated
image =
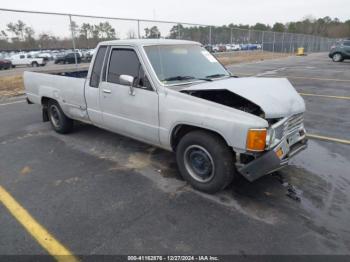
<point x="54" y="116"/>
<point x="337" y="57"/>
<point x="199" y="163"/>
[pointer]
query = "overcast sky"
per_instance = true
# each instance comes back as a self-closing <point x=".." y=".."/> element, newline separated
<point x="202" y="11"/>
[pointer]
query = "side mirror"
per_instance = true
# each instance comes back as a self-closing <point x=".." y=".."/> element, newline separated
<point x="127" y="80"/>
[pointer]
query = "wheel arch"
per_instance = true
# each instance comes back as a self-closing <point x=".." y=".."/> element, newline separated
<point x="180" y="130"/>
<point x="45" y="104"/>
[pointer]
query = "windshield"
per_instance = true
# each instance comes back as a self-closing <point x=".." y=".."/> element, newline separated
<point x="184" y="63"/>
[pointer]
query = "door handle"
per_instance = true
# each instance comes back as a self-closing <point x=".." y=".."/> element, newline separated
<point x="107" y="91"/>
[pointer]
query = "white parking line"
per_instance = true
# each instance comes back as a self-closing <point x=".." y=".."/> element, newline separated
<point x="331" y="139"/>
<point x="326" y="96"/>
<point x="11" y="103"/>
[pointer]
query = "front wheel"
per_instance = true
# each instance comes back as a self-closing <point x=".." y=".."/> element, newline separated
<point x="337" y="57"/>
<point x="59" y="121"/>
<point x="205" y="161"/>
<point x="35" y="64"/>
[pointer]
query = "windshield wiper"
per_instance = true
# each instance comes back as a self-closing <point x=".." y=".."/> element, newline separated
<point x="215" y="76"/>
<point x="180" y="78"/>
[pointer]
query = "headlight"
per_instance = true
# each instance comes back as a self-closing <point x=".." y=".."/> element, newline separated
<point x="256" y="139"/>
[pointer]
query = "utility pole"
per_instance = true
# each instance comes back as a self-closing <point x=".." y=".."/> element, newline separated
<point x="73" y="40"/>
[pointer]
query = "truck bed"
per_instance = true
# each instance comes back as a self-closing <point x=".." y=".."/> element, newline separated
<point x="65" y="87"/>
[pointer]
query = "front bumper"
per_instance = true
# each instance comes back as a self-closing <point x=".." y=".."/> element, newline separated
<point x="269" y="162"/>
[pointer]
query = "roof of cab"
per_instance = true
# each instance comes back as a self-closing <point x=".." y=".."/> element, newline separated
<point x="144" y="42"/>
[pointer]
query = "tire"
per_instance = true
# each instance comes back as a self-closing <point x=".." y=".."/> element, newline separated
<point x="13" y="66"/>
<point x="337" y="57"/>
<point x="59" y="121"/>
<point x="35" y="64"/>
<point x="205" y="161"/>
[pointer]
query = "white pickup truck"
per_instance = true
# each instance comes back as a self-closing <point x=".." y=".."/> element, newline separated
<point x="175" y="95"/>
<point x="26" y="60"/>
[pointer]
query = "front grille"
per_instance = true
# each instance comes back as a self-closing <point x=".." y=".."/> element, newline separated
<point x="294" y="123"/>
<point x="288" y="126"/>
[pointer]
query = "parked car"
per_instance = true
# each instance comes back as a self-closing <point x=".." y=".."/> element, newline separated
<point x="228" y="47"/>
<point x="222" y="48"/>
<point x="244" y="47"/>
<point x="87" y="55"/>
<point x="45" y="56"/>
<point x="340" y="51"/>
<point x="68" y="58"/>
<point x="209" y="48"/>
<point x="26" y="60"/>
<point x="215" y="48"/>
<point x="219" y="48"/>
<point x="235" y="47"/>
<point x="175" y="95"/>
<point x="5" y="64"/>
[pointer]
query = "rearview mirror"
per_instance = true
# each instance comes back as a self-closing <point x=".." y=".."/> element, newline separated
<point x="127" y="80"/>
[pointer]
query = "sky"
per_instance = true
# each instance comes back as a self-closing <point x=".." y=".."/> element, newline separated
<point x="201" y="11"/>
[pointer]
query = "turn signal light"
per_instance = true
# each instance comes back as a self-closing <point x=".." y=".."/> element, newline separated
<point x="256" y="139"/>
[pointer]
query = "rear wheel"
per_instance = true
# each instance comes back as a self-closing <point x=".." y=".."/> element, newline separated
<point x="205" y="161"/>
<point x="59" y="121"/>
<point x="337" y="57"/>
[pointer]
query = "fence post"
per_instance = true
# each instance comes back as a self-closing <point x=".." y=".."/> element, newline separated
<point x="309" y="44"/>
<point x="262" y="41"/>
<point x="273" y="44"/>
<point x="178" y="31"/>
<point x="138" y="29"/>
<point x="290" y="43"/>
<point x="73" y="40"/>
<point x="283" y="42"/>
<point x="209" y="35"/>
<point x="231" y="36"/>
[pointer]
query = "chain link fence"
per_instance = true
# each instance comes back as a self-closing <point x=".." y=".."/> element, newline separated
<point x="30" y="30"/>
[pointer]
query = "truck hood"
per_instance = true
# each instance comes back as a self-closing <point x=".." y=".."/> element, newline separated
<point x="275" y="96"/>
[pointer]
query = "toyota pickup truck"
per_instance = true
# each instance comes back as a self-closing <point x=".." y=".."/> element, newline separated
<point x="26" y="60"/>
<point x="175" y="95"/>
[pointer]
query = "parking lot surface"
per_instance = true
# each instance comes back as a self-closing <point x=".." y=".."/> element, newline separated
<point x="101" y="193"/>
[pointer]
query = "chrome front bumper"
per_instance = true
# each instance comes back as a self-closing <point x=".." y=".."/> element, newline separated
<point x="269" y="161"/>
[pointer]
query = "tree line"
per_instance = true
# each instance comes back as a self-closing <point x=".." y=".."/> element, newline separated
<point x="19" y="36"/>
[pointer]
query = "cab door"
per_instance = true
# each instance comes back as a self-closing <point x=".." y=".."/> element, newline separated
<point x="133" y="114"/>
<point x="93" y="85"/>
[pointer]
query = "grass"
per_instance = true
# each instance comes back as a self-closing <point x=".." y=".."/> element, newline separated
<point x="13" y="85"/>
<point x="245" y="57"/>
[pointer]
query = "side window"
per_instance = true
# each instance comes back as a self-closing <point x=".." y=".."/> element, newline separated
<point x="347" y="43"/>
<point x="126" y="62"/>
<point x="97" y="67"/>
<point x="21" y="56"/>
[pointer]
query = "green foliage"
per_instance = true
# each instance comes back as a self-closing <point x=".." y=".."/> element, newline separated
<point x="17" y="35"/>
<point x="152" y="32"/>
<point x="278" y="27"/>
